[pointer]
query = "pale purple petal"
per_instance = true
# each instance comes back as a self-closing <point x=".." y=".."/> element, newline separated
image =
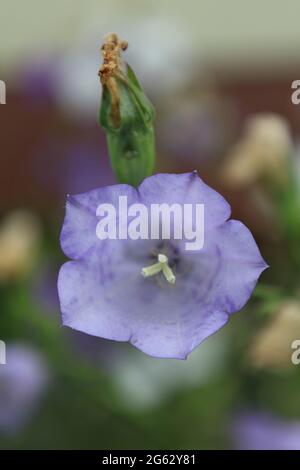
<point x="240" y="267"/>
<point x="185" y="188"/>
<point x="79" y="230"/>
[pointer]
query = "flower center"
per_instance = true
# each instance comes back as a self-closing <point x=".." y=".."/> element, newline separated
<point x="161" y="266"/>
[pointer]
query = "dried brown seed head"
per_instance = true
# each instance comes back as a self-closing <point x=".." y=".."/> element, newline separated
<point x="112" y="61"/>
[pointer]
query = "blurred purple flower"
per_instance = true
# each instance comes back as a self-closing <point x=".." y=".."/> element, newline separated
<point x="262" y="431"/>
<point x="72" y="164"/>
<point x="36" y="79"/>
<point x="102" y="292"/>
<point x="22" y="380"/>
<point x="204" y="124"/>
<point x="44" y="288"/>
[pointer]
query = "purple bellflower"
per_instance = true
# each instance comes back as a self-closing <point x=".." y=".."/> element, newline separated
<point x="253" y="430"/>
<point x="23" y="380"/>
<point x="162" y="298"/>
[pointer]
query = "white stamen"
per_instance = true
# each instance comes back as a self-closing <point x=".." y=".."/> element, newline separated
<point x="156" y="268"/>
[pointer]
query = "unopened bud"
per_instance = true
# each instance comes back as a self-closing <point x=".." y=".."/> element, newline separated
<point x="127" y="116"/>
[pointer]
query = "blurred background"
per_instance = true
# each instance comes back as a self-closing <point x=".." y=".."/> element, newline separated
<point x="220" y="76"/>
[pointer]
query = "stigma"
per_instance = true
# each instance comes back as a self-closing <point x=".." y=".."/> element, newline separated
<point x="162" y="265"/>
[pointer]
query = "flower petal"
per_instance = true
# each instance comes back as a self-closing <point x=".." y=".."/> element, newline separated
<point x="103" y="293"/>
<point x="182" y="189"/>
<point x="78" y="234"/>
<point x="240" y="267"/>
<point x="106" y="296"/>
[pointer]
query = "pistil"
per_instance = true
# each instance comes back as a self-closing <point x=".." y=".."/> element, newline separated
<point x="161" y="266"/>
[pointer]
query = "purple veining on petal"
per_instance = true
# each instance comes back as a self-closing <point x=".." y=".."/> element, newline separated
<point x="102" y="292"/>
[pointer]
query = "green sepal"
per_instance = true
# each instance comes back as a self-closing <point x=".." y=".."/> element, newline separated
<point x="131" y="145"/>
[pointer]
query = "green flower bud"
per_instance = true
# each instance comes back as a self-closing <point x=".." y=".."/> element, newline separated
<point x="127" y="116"/>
